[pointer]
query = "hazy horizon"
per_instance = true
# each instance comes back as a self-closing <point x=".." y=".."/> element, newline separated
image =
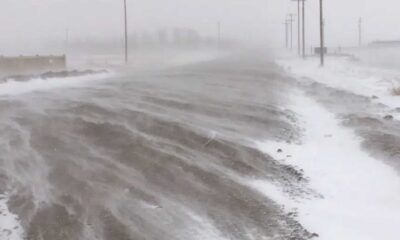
<point x="28" y="25"/>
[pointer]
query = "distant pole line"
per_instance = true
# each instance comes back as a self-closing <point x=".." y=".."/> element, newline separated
<point x="126" y="33"/>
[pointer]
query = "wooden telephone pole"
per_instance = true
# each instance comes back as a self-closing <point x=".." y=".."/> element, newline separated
<point x="298" y="29"/>
<point x="286" y="23"/>
<point x="360" y="32"/>
<point x="291" y="20"/>
<point x="219" y="34"/>
<point x="304" y="28"/>
<point x="321" y="23"/>
<point x="126" y="33"/>
<point x="301" y="24"/>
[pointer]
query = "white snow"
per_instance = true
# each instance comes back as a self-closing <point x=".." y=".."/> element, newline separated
<point x="350" y="76"/>
<point x="12" y="88"/>
<point x="361" y="194"/>
<point x="10" y="228"/>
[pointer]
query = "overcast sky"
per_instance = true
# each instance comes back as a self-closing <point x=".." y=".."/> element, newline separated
<point x="35" y="21"/>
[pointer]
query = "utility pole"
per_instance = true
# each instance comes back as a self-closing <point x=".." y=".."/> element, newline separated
<point x="360" y="32"/>
<point x="304" y="28"/>
<point x="126" y="33"/>
<point x="66" y="41"/>
<point x="291" y="20"/>
<point x="286" y="23"/>
<point x="298" y="28"/>
<point x="300" y="32"/>
<point x="321" y="25"/>
<point x="219" y="34"/>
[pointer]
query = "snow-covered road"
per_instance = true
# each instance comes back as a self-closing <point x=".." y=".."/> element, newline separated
<point x="210" y="150"/>
<point x="153" y="154"/>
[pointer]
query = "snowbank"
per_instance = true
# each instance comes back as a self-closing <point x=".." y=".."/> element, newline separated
<point x="12" y="88"/>
<point x="350" y="76"/>
<point x="360" y="195"/>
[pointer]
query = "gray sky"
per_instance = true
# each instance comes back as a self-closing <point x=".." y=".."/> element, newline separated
<point x="25" y="23"/>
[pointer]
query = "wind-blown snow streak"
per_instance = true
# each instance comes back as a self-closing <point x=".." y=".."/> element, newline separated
<point x="361" y="197"/>
<point x="12" y="88"/>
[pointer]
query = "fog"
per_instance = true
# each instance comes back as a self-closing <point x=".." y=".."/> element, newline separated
<point x="206" y="127"/>
<point x="28" y="25"/>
